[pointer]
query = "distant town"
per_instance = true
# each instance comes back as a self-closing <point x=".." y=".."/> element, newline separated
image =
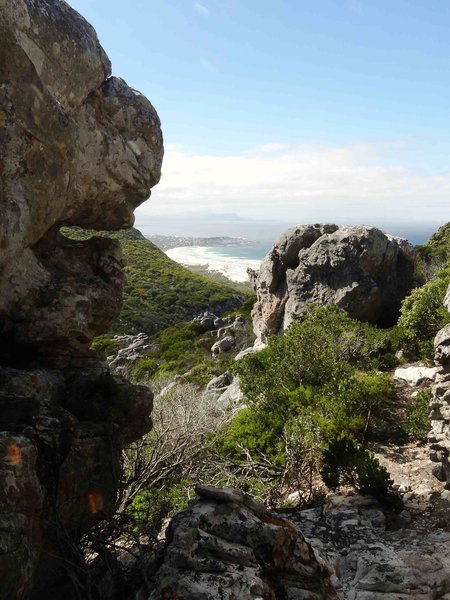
<point x="166" y="242"/>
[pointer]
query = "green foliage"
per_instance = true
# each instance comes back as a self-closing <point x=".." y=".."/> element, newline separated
<point x="158" y="291"/>
<point x="144" y="368"/>
<point x="435" y="253"/>
<point x="152" y="506"/>
<point x="417" y="423"/>
<point x="105" y="344"/>
<point x="321" y="349"/>
<point x="312" y="386"/>
<point x="245" y="310"/>
<point x="346" y="462"/>
<point x="174" y="350"/>
<point x="422" y="315"/>
<point x="186" y="349"/>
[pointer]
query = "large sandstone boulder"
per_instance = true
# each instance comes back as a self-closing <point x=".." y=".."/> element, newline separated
<point x="359" y="268"/>
<point x="226" y="546"/>
<point x="77" y="147"/>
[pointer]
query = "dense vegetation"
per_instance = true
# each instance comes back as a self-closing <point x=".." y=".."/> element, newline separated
<point x="314" y="388"/>
<point x="185" y="349"/>
<point x="435" y="253"/>
<point x="422" y="315"/>
<point x="314" y="401"/>
<point x="159" y="292"/>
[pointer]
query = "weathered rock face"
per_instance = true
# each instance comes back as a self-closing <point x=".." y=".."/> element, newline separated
<point x="226" y="546"/>
<point x="439" y="436"/>
<point x="77" y="147"/>
<point x="373" y="558"/>
<point x="361" y="269"/>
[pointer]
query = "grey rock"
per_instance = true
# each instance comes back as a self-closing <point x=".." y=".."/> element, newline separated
<point x="135" y="346"/>
<point x="232" y="396"/>
<point x="359" y="268"/>
<point x="245" y="352"/>
<point x="447" y="299"/>
<point x="439" y="436"/>
<point x="374" y="562"/>
<point x="223" y="345"/>
<point x="77" y="147"/>
<point x="220" y="382"/>
<point x="70" y="133"/>
<point x="239" y="322"/>
<point x="414" y="375"/>
<point x="226" y="546"/>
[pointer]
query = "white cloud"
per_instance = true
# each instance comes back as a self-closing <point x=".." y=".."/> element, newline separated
<point x="201" y="9"/>
<point x="304" y="182"/>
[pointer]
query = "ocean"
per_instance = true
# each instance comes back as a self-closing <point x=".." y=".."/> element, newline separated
<point x="233" y="261"/>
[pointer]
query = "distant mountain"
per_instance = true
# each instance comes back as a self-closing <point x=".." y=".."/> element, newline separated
<point x="159" y="292"/>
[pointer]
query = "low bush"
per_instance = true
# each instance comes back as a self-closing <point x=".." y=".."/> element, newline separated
<point x="422" y="315"/>
<point x="308" y="388"/>
<point x="417" y="423"/>
<point x="346" y="462"/>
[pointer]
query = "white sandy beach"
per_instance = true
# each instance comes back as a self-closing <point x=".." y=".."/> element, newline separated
<point x="233" y="267"/>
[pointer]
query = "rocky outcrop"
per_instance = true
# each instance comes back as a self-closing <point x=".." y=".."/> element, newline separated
<point x="375" y="555"/>
<point x="77" y="147"/>
<point x="227" y="546"/>
<point x="439" y="436"/>
<point x="361" y="269"/>
<point x="415" y="374"/>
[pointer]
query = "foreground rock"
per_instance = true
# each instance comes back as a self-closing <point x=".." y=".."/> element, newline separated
<point x="375" y="556"/>
<point x="77" y="147"/>
<point x="361" y="269"/>
<point x="226" y="546"/>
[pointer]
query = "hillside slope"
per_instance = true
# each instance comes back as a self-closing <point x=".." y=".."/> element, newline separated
<point x="435" y="253"/>
<point x="159" y="292"/>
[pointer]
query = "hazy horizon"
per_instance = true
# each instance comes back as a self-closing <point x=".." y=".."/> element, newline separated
<point x="323" y="111"/>
<point x="260" y="230"/>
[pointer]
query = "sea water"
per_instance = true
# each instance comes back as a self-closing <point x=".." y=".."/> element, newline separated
<point x="233" y="261"/>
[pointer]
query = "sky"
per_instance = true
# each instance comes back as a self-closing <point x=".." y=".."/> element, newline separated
<point x="301" y="110"/>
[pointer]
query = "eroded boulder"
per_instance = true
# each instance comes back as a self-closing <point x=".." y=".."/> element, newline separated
<point x="77" y="147"/>
<point x="227" y="546"/>
<point x="359" y="268"/>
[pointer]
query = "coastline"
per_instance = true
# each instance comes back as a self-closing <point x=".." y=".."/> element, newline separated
<point x="232" y="267"/>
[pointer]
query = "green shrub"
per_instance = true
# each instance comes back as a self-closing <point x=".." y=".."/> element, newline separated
<point x="152" y="506"/>
<point x="346" y="462"/>
<point x="417" y="423"/>
<point x="145" y="367"/>
<point x="105" y="344"/>
<point x="309" y="388"/>
<point x="422" y="315"/>
<point x="322" y="348"/>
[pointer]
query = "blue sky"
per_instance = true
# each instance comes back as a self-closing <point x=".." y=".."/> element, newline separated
<point x="317" y="109"/>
